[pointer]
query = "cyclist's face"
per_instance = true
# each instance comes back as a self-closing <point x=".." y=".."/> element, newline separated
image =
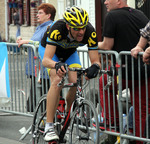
<point x="111" y="4"/>
<point x="78" y="33"/>
<point x="42" y="16"/>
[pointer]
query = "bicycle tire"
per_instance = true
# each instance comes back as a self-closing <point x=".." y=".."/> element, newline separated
<point x="39" y="120"/>
<point x="81" y="126"/>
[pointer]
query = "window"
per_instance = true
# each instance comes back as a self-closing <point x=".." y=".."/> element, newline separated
<point x="27" y="11"/>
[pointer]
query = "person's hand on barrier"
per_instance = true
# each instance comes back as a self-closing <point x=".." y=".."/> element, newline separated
<point x="61" y="68"/>
<point x="135" y="51"/>
<point x="146" y="56"/>
<point x="21" y="42"/>
<point x="92" y="71"/>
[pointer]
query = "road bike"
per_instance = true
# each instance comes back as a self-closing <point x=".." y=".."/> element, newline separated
<point x="77" y="125"/>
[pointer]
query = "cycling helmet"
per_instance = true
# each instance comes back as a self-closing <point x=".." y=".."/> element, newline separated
<point x="76" y="17"/>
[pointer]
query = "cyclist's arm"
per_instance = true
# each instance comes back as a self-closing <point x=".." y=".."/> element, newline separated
<point x="92" y="71"/>
<point x="94" y="57"/>
<point x="106" y="44"/>
<point x="48" y="55"/>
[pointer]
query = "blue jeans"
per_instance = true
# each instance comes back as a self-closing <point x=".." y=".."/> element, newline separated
<point x="18" y="31"/>
<point x="130" y="119"/>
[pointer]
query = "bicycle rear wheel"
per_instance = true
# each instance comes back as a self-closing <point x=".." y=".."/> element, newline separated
<point x="81" y="126"/>
<point x="39" y="121"/>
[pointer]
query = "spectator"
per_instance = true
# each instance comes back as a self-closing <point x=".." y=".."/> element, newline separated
<point x="65" y="36"/>
<point x="16" y="21"/>
<point x="140" y="47"/>
<point x="45" y="17"/>
<point x="121" y="33"/>
<point x="144" y="39"/>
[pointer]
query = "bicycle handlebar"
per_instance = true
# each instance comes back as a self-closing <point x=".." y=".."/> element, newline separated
<point x="80" y="70"/>
<point x="83" y="71"/>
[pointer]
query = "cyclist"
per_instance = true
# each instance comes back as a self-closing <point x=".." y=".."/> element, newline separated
<point x="64" y="37"/>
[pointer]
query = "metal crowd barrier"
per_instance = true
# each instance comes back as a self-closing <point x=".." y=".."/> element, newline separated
<point x="29" y="79"/>
<point x="125" y="99"/>
<point x="107" y="98"/>
<point x="21" y="80"/>
<point x="136" y="75"/>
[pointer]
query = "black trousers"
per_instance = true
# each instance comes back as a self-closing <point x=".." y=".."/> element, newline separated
<point x="32" y="99"/>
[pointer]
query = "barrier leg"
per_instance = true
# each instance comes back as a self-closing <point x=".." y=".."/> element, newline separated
<point x="26" y="133"/>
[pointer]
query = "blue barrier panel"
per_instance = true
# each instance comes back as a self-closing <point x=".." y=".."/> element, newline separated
<point x="4" y="75"/>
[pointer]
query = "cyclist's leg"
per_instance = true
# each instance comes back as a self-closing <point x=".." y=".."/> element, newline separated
<point x="72" y="91"/>
<point x="53" y="97"/>
<point x="72" y="61"/>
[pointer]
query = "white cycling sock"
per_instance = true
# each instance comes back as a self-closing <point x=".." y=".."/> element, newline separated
<point x="48" y="126"/>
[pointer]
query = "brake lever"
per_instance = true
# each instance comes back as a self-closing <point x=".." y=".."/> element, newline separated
<point x="64" y="77"/>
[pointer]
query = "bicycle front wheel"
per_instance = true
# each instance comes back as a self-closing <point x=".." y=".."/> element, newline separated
<point x="39" y="121"/>
<point x="81" y="126"/>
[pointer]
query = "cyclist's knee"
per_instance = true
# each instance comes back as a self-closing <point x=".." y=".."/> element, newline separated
<point x="72" y="77"/>
<point x="54" y="81"/>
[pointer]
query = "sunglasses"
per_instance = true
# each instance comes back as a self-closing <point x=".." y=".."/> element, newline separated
<point x="78" y="29"/>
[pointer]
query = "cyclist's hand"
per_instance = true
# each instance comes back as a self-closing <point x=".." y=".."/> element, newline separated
<point x="61" y="68"/>
<point x="92" y="71"/>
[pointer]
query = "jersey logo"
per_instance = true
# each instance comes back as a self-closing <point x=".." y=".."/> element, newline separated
<point x="90" y="40"/>
<point x="55" y="35"/>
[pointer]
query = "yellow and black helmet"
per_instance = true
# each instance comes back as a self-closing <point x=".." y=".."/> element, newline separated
<point x="76" y="17"/>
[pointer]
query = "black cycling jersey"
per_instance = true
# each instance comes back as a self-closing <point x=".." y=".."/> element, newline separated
<point x="58" y="36"/>
<point x="43" y="41"/>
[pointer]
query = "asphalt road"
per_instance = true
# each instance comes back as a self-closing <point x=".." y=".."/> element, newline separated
<point x="10" y="125"/>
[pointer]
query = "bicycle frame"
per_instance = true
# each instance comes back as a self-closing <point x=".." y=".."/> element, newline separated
<point x="79" y="95"/>
<point x="78" y="100"/>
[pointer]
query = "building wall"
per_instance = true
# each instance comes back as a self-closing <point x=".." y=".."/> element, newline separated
<point x="54" y="3"/>
<point x="2" y="21"/>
